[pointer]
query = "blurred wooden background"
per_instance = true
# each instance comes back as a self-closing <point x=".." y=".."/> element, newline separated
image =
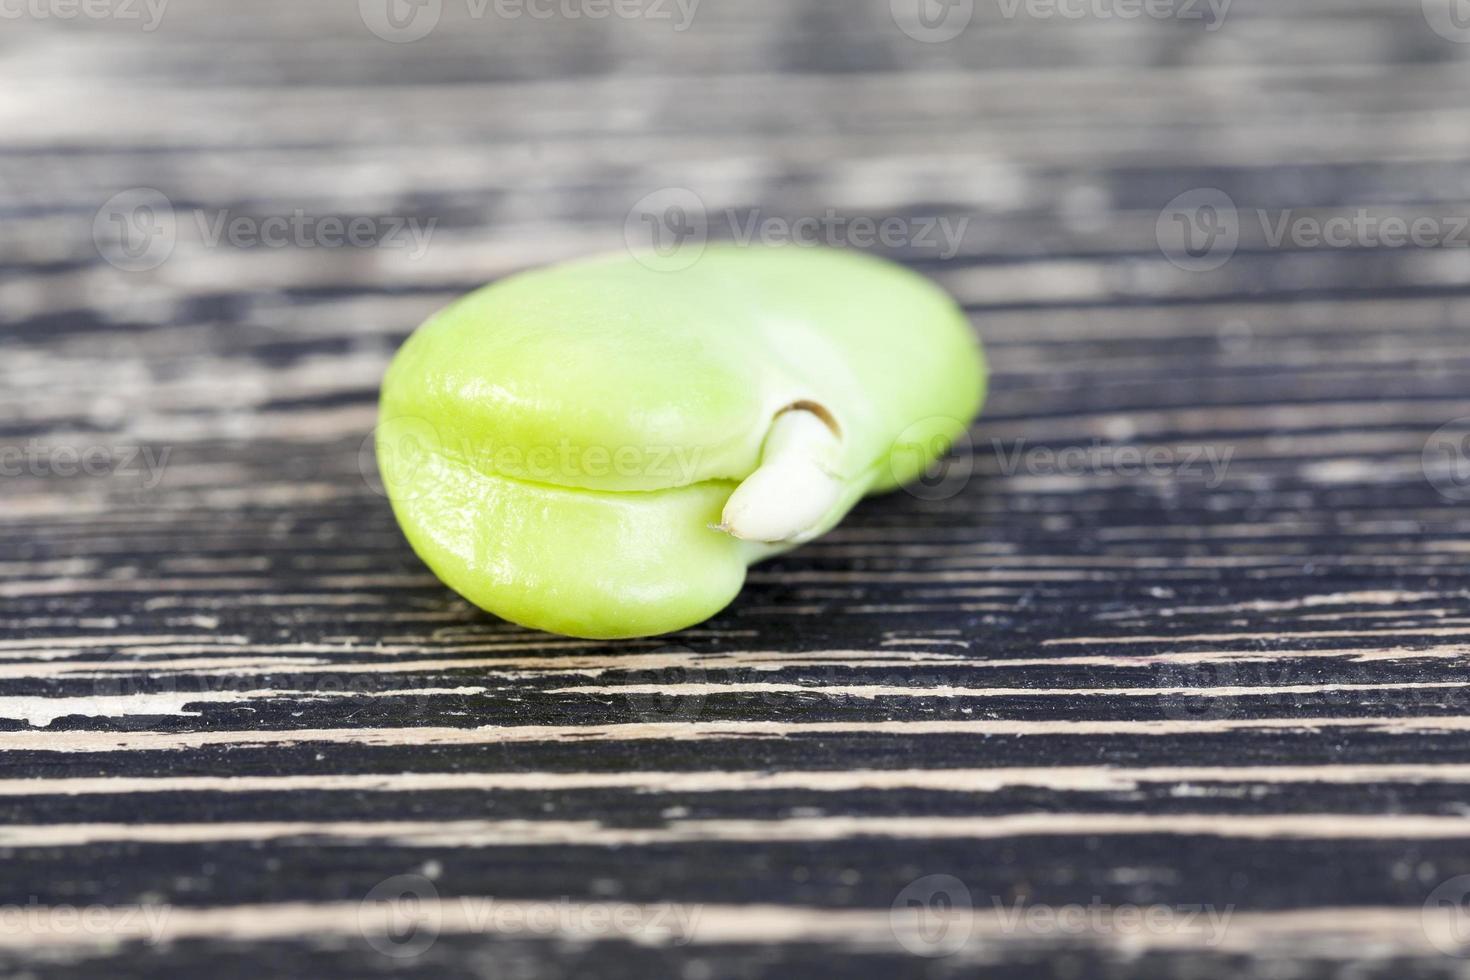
<point x="235" y="710"/>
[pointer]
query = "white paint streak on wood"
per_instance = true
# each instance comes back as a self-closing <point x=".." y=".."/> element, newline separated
<point x="1356" y="933"/>
<point x="269" y="660"/>
<point x="1249" y="637"/>
<point x="197" y="666"/>
<point x="237" y="583"/>
<point x="38" y="646"/>
<point x="1059" y="778"/>
<point x="88" y="741"/>
<point x="500" y="666"/>
<point x="1375" y="597"/>
<point x="829" y="827"/>
<point x="42" y="711"/>
<point x="870" y="691"/>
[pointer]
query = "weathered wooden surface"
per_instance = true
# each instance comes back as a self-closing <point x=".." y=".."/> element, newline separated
<point x="231" y="694"/>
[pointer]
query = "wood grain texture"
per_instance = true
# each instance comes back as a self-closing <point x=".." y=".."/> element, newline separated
<point x="1182" y="633"/>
